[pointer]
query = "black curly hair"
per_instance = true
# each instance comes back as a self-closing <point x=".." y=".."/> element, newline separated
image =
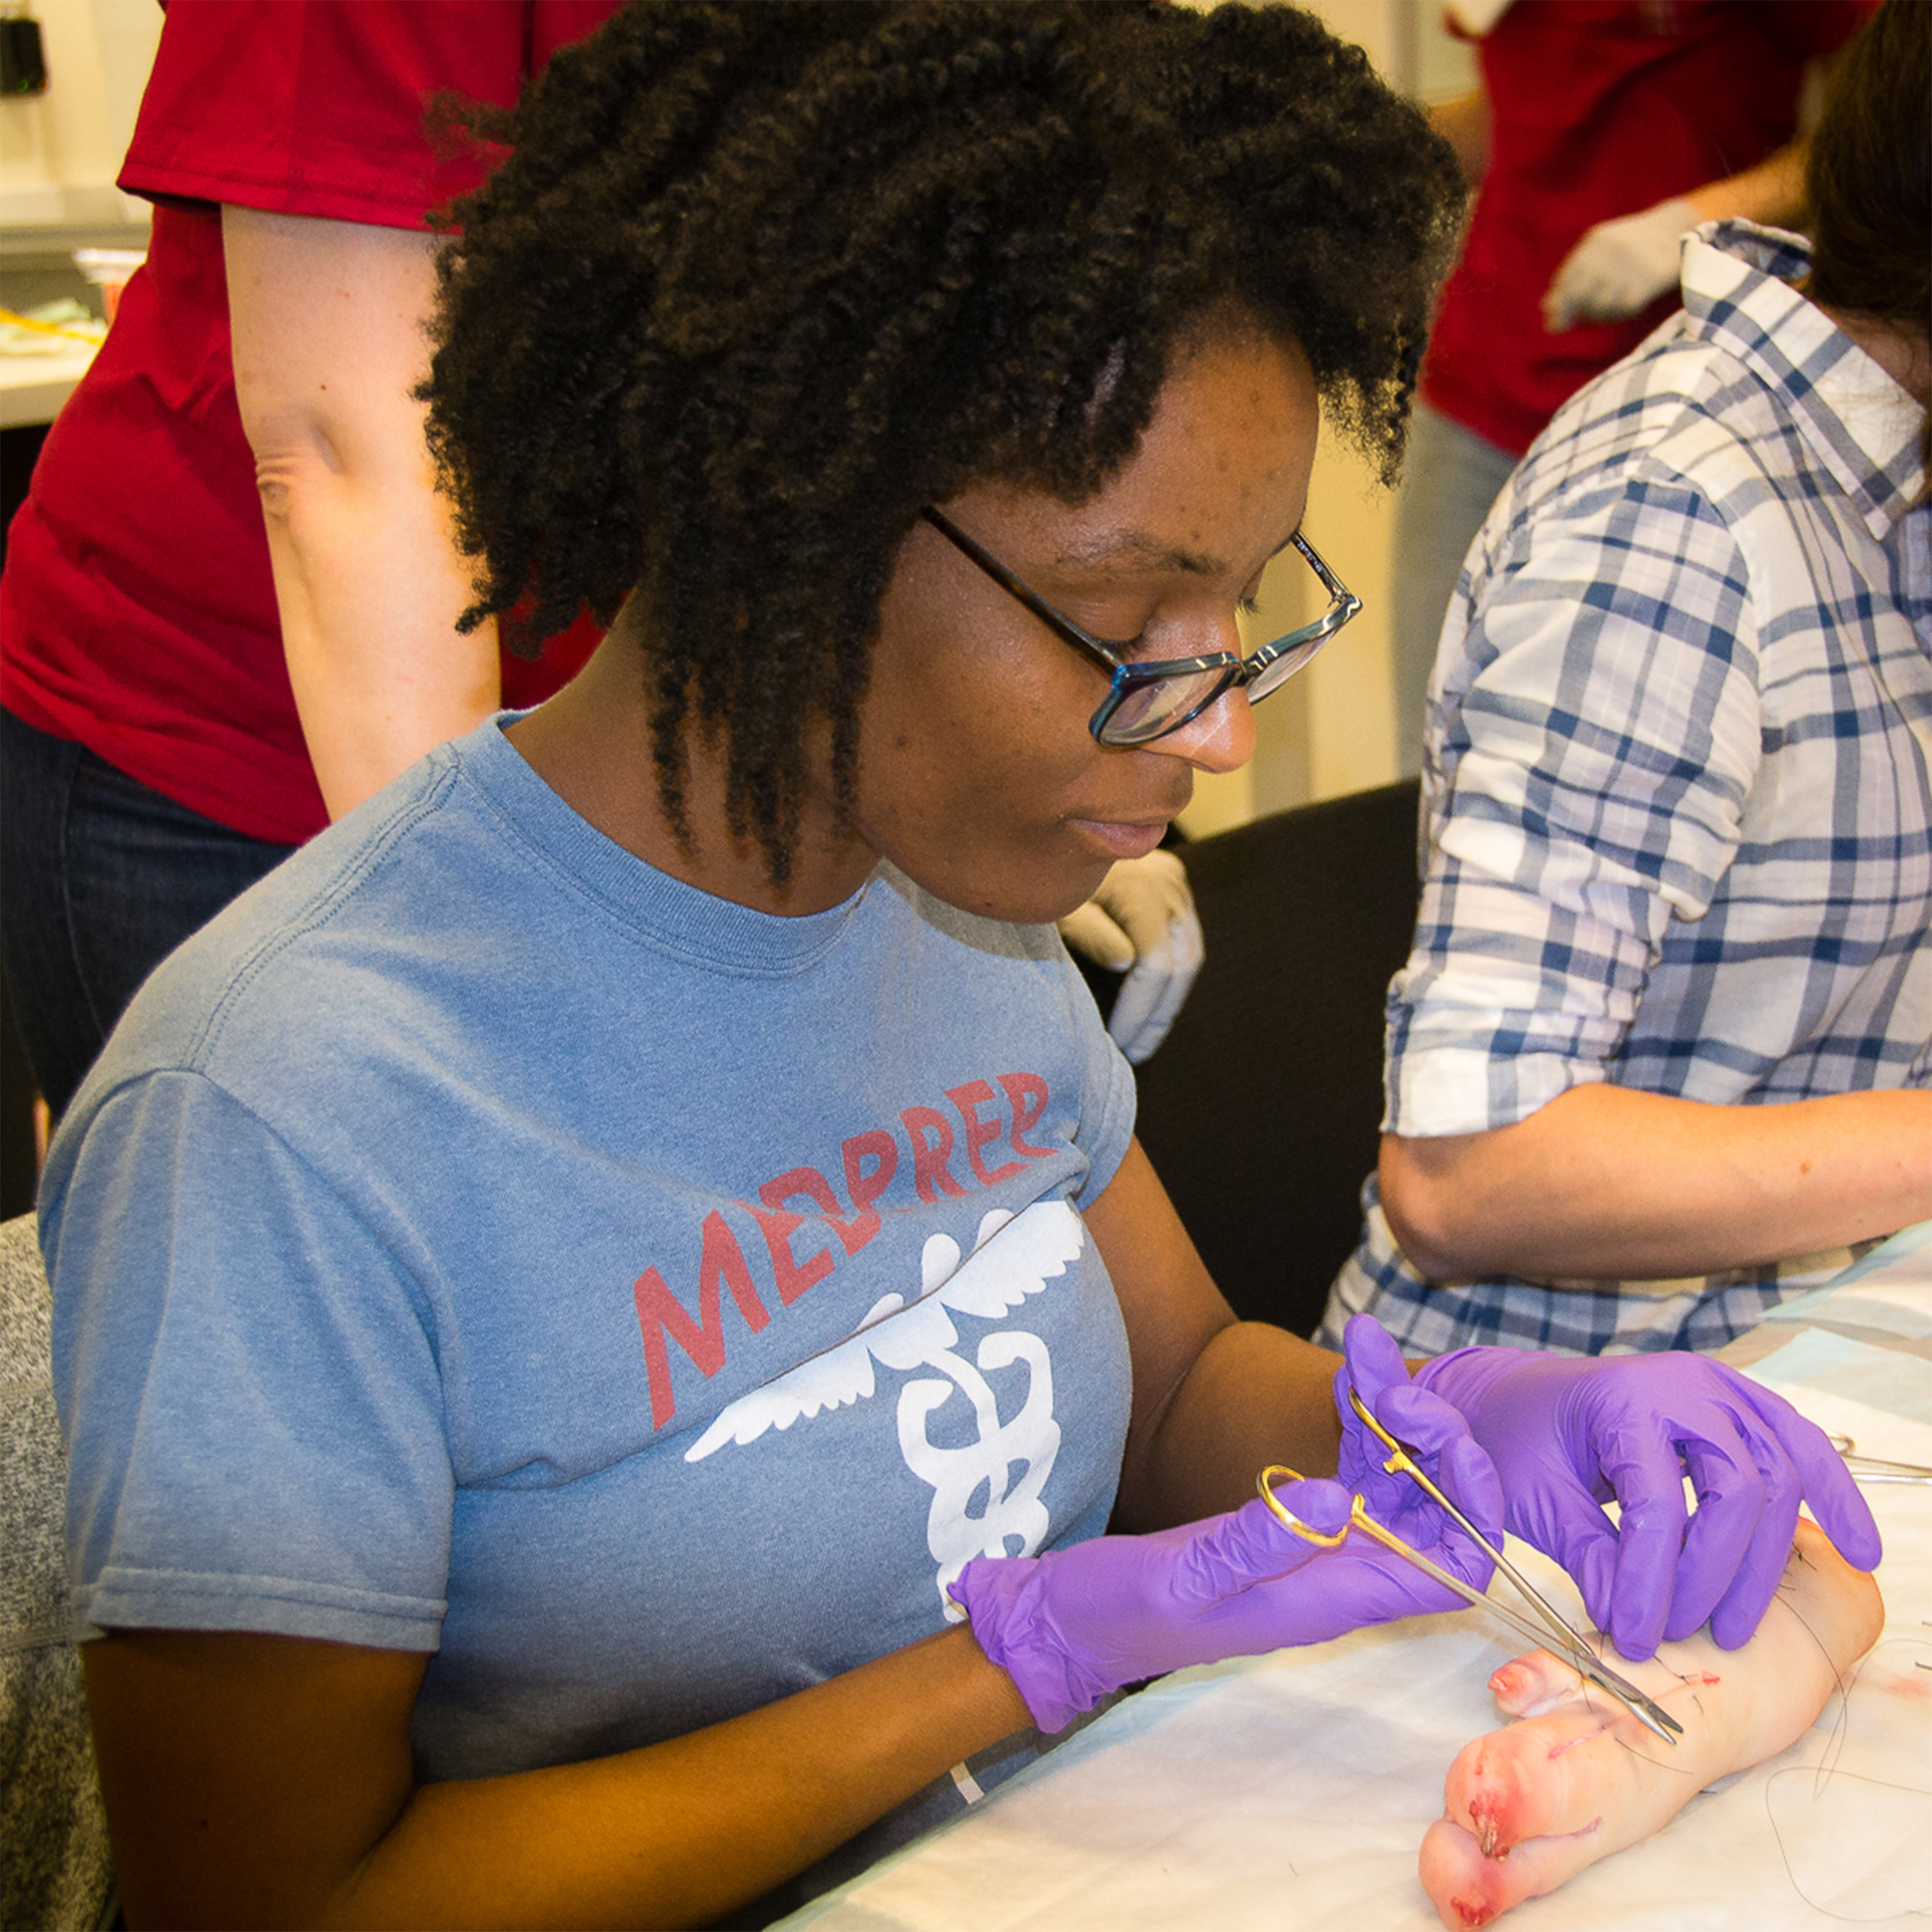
<point x="756" y="281"/>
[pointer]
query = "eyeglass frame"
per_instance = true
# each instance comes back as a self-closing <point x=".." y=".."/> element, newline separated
<point x="1237" y="672"/>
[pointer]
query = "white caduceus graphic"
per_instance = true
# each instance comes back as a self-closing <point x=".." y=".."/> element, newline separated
<point x="1013" y="1256"/>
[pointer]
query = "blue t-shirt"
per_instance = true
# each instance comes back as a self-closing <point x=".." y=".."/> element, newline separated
<point x="476" y="1241"/>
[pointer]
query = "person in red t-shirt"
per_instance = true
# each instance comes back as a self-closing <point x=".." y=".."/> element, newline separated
<point x="229" y="602"/>
<point x="1602" y="130"/>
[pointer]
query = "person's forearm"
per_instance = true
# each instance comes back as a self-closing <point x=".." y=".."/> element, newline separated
<point x="1463" y="122"/>
<point x="1607" y="1183"/>
<point x="675" y="1834"/>
<point x="368" y="624"/>
<point x="1257" y="1395"/>
<point x="260" y="1781"/>
<point x="1215" y="1400"/>
<point x="1773" y="192"/>
<point x="327" y="319"/>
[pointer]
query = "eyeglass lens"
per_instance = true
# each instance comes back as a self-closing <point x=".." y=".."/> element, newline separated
<point x="1289" y="597"/>
<point x="1146" y="711"/>
<point x="1283" y="669"/>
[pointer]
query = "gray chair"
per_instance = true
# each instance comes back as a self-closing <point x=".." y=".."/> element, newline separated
<point x="55" y="1867"/>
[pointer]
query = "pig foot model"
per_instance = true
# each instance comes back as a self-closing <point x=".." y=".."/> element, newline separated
<point x="1578" y="1777"/>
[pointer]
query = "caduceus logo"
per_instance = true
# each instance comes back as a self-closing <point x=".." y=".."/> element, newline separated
<point x="1014" y="1256"/>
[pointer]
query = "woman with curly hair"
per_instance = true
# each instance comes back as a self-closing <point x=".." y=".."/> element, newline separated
<point x="613" y="1336"/>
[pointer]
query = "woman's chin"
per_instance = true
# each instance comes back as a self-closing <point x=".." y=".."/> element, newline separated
<point x="1017" y="896"/>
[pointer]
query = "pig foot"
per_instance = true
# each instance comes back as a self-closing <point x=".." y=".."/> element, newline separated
<point x="1578" y="1777"/>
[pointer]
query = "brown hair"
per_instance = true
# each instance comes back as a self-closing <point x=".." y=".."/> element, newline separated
<point x="1869" y="179"/>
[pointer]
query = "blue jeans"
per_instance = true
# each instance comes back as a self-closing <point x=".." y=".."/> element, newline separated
<point x="101" y="878"/>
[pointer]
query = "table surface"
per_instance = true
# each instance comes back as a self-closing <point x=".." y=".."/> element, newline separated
<point x="1294" y="1790"/>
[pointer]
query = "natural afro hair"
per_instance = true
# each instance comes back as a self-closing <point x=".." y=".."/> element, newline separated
<point x="756" y="281"/>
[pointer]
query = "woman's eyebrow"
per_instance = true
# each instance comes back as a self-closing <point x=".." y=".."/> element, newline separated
<point x="1145" y="551"/>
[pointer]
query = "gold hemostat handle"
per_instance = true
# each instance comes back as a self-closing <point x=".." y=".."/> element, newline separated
<point x="1359" y="1518"/>
<point x="1568" y="1644"/>
<point x="1321" y="1538"/>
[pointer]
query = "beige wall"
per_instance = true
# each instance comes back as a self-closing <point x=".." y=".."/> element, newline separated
<point x="60" y="150"/>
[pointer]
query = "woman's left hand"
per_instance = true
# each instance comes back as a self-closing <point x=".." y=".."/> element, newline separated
<point x="1571" y="1434"/>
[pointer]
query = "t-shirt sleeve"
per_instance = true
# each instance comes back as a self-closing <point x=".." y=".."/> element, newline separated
<point x="1600" y="734"/>
<point x="319" y="108"/>
<point x="249" y="1388"/>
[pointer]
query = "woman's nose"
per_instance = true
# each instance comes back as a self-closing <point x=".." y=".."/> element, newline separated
<point x="1221" y="739"/>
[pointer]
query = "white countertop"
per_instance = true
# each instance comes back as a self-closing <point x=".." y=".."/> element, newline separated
<point x="32" y="388"/>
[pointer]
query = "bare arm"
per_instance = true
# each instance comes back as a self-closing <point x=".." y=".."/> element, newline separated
<point x="259" y="1780"/>
<point x="1606" y="1183"/>
<point x="1619" y="265"/>
<point x="1215" y="1399"/>
<point x="1463" y="122"/>
<point x="1773" y="191"/>
<point x="327" y="318"/>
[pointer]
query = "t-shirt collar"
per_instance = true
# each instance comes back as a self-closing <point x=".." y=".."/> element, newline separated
<point x="1863" y="427"/>
<point x="669" y="913"/>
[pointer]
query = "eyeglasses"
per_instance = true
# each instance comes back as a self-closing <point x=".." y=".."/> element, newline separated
<point x="1147" y="700"/>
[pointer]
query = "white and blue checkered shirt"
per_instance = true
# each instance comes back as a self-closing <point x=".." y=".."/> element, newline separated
<point x="1678" y="805"/>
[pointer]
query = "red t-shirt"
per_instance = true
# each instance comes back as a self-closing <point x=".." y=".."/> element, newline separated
<point x="137" y="614"/>
<point x="1599" y="108"/>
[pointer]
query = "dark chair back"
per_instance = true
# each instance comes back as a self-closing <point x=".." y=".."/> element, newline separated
<point x="1261" y="1110"/>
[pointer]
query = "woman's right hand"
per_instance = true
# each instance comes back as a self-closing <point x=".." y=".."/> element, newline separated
<point x="1075" y="1623"/>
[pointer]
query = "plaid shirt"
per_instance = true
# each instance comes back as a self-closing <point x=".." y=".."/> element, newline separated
<point x="1679" y="796"/>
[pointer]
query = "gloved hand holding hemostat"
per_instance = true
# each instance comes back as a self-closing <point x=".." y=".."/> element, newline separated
<point x="1072" y="1625"/>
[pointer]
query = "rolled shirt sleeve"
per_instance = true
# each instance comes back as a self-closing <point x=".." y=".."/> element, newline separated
<point x="1600" y="732"/>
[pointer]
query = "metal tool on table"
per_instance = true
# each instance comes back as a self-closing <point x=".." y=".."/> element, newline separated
<point x="1547" y="1627"/>
<point x="1875" y="1468"/>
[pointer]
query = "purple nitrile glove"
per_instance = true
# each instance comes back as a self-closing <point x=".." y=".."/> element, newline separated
<point x="1568" y="1432"/>
<point x="1075" y="1623"/>
<point x="1434" y="1431"/>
